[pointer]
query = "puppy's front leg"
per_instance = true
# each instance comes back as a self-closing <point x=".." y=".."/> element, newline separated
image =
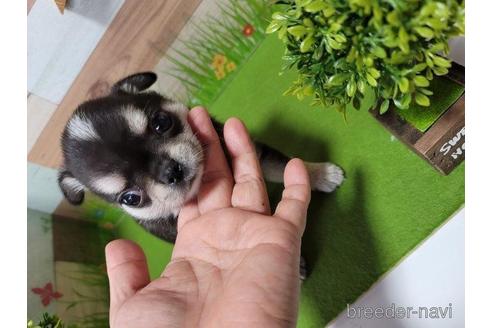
<point x="324" y="177"/>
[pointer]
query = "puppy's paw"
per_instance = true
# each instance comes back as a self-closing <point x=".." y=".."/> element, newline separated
<point x="324" y="177"/>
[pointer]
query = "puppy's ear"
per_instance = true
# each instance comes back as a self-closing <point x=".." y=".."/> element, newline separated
<point x="135" y="83"/>
<point x="72" y="189"/>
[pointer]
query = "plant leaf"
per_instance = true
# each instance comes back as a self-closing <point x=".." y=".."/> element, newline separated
<point x="337" y="79"/>
<point x="420" y="81"/>
<point x="384" y="107"/>
<point x="374" y="72"/>
<point x="372" y="81"/>
<point x="351" y="88"/>
<point x="439" y="71"/>
<point x="316" y="6"/>
<point x="356" y="103"/>
<point x="441" y="62"/>
<point x="379" y="52"/>
<point x="274" y="26"/>
<point x="306" y="44"/>
<point x="361" y="86"/>
<point x="419" y="67"/>
<point x="422" y="99"/>
<point x="403" y="84"/>
<point x="297" y="30"/>
<point x="425" y="32"/>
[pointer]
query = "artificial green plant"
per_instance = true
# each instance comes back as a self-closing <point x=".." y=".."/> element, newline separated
<point x="345" y="49"/>
<point x="49" y="321"/>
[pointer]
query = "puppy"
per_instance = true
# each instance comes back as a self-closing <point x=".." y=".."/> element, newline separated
<point x="134" y="148"/>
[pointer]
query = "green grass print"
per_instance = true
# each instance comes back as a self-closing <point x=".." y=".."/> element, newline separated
<point x="233" y="37"/>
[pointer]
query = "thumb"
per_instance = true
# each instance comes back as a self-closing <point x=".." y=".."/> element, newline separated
<point x="296" y="195"/>
<point x="127" y="271"/>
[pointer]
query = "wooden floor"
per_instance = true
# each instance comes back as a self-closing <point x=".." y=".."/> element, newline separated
<point x="135" y="40"/>
<point x="30" y="3"/>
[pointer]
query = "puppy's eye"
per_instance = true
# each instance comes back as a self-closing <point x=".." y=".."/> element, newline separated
<point x="161" y="122"/>
<point x="131" y="198"/>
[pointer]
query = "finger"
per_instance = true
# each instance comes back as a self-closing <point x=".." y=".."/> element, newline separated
<point x="249" y="190"/>
<point x="127" y="271"/>
<point x="216" y="188"/>
<point x="296" y="195"/>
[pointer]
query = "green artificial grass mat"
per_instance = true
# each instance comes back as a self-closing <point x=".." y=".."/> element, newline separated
<point x="446" y="92"/>
<point x="390" y="201"/>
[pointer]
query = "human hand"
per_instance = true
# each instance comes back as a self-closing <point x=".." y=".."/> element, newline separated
<point x="233" y="264"/>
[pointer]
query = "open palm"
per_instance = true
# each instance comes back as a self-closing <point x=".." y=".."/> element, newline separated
<point x="234" y="264"/>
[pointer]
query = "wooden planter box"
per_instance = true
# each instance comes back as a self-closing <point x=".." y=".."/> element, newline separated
<point x="443" y="144"/>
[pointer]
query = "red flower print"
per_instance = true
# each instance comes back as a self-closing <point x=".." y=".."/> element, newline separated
<point x="46" y="293"/>
<point x="248" y="30"/>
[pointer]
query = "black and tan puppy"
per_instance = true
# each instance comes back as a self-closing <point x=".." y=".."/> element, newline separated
<point x="135" y="148"/>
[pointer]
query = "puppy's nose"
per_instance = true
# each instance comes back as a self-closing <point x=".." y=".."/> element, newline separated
<point x="173" y="173"/>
